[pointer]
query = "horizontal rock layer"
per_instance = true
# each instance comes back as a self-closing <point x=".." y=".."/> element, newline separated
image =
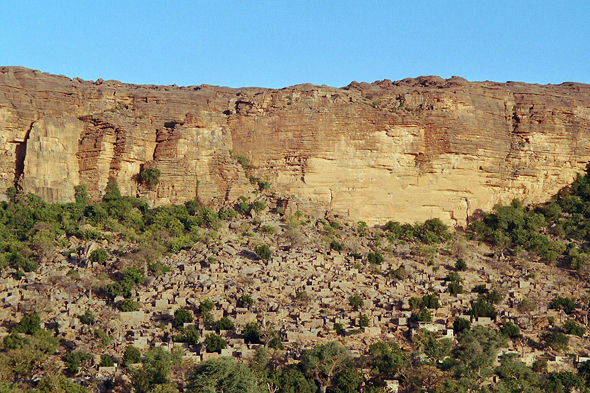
<point x="408" y="150"/>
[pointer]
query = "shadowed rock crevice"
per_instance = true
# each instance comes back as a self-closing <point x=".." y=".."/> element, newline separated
<point x="20" y="152"/>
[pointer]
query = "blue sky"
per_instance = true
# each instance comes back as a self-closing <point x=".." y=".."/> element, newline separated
<point x="281" y="43"/>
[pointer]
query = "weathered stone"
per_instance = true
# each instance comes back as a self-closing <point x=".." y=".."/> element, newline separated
<point x="403" y="150"/>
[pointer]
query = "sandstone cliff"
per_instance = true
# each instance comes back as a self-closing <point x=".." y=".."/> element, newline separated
<point x="407" y="150"/>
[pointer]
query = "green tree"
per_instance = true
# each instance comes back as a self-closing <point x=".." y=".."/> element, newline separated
<point x="106" y="361"/>
<point x="263" y="252"/>
<point x="73" y="361"/>
<point x="555" y="340"/>
<point x="363" y="320"/>
<point x="29" y="324"/>
<point x="482" y="308"/>
<point x="206" y="306"/>
<point x="461" y="324"/>
<point x="571" y="327"/>
<point x="461" y="265"/>
<point x="510" y="330"/>
<point x="214" y="343"/>
<point x="150" y="177"/>
<point x="129" y="305"/>
<point x="251" y="333"/>
<point x="223" y="375"/>
<point x="563" y="303"/>
<point x="478" y="347"/>
<point x="189" y="336"/>
<point x="324" y="361"/>
<point x="245" y="301"/>
<point x="155" y="369"/>
<point x="430" y="301"/>
<point x="181" y="316"/>
<point x="292" y="380"/>
<point x="356" y="302"/>
<point x="224" y="324"/>
<point x="436" y="348"/>
<point x="386" y="358"/>
<point x="131" y="355"/>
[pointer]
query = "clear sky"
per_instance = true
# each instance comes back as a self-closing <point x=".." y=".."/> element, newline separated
<point x="281" y="43"/>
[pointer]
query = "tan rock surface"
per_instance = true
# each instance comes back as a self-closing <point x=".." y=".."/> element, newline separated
<point x="407" y="150"/>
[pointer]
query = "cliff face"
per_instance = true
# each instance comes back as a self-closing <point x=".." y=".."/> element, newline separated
<point x="407" y="150"/>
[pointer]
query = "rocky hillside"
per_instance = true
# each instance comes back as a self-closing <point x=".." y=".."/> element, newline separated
<point x="407" y="150"/>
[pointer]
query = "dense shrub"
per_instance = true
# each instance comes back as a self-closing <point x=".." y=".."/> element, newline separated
<point x="214" y="343"/>
<point x="356" y="302"/>
<point x="555" y="340"/>
<point x="129" y="305"/>
<point x="263" y="251"/>
<point x="563" y="303"/>
<point x="73" y="360"/>
<point x="181" y="316"/>
<point x="224" y="324"/>
<point x="189" y="336"/>
<point x="461" y="324"/>
<point x="375" y="257"/>
<point x="87" y="318"/>
<point x="131" y="355"/>
<point x="245" y="301"/>
<point x="510" y="330"/>
<point x="106" y="361"/>
<point x="336" y="246"/>
<point x="571" y="327"/>
<point x="150" y="177"/>
<point x="29" y="324"/>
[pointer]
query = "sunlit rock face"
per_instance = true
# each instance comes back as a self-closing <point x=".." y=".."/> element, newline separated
<point x="407" y="150"/>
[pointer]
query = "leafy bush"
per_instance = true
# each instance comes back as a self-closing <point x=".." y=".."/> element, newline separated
<point x="73" y="361"/>
<point x="224" y="324"/>
<point x="430" y="301"/>
<point x="555" y="340"/>
<point x="356" y="302"/>
<point x="131" y="355"/>
<point x="482" y="308"/>
<point x="461" y="324"/>
<point x="461" y="265"/>
<point x="29" y="324"/>
<point x="106" y="361"/>
<point x="206" y="306"/>
<point x="336" y="246"/>
<point x="423" y="315"/>
<point x="189" y="336"/>
<point x="251" y="333"/>
<point x="104" y="339"/>
<point x="571" y="327"/>
<point x="258" y="206"/>
<point x="399" y="274"/>
<point x="99" y="255"/>
<point x="563" y="303"/>
<point x="510" y="330"/>
<point x="375" y="257"/>
<point x="150" y="177"/>
<point x="214" y="343"/>
<point x="454" y="288"/>
<point x="181" y="316"/>
<point x="245" y="301"/>
<point x="87" y="318"/>
<point x="263" y="252"/>
<point x="129" y="305"/>
<point x="363" y="320"/>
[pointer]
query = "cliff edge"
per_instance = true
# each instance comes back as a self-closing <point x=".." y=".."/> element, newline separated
<point x="408" y="150"/>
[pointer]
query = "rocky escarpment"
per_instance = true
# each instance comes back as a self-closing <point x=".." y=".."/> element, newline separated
<point x="407" y="150"/>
